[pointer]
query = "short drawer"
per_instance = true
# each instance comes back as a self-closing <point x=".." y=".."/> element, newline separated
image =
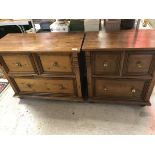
<point x="56" y="63"/>
<point x="130" y="89"/>
<point x="19" y="63"/>
<point x="107" y="63"/>
<point x="138" y="63"/>
<point x="45" y="85"/>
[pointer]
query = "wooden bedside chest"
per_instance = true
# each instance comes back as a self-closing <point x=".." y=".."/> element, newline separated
<point x="43" y="65"/>
<point x="120" y="66"/>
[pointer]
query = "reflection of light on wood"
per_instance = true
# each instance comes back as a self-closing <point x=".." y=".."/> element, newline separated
<point x="141" y="39"/>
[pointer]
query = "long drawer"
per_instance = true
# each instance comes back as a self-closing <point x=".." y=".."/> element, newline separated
<point x="55" y="86"/>
<point x="129" y="89"/>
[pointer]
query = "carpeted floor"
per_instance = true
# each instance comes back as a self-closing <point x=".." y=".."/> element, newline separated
<point x="3" y="85"/>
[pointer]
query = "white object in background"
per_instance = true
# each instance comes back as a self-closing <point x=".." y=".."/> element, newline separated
<point x="37" y="27"/>
<point x="59" y="27"/>
<point x="32" y="30"/>
<point x="143" y="27"/>
<point x="91" y="22"/>
<point x="91" y="25"/>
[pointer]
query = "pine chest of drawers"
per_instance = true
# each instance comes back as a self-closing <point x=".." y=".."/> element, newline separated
<point x="120" y="66"/>
<point x="43" y="65"/>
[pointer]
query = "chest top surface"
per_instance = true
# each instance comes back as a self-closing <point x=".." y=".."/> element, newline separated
<point x="44" y="42"/>
<point x="124" y="39"/>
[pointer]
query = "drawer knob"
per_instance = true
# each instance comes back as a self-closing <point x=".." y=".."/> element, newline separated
<point x="55" y="64"/>
<point x="133" y="90"/>
<point x="29" y="85"/>
<point x="61" y="86"/>
<point x="139" y="64"/>
<point x="18" y="64"/>
<point x="105" y="64"/>
<point x="105" y="89"/>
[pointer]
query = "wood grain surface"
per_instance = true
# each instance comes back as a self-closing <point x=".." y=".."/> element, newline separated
<point x="62" y="41"/>
<point x="125" y="39"/>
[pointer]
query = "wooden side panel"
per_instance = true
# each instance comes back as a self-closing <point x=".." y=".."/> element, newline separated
<point x="150" y="89"/>
<point x="12" y="83"/>
<point x="89" y="74"/>
<point x="76" y="69"/>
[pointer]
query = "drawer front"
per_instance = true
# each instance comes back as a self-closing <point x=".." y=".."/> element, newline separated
<point x="120" y="88"/>
<point x="53" y="86"/>
<point x="106" y="63"/>
<point x="17" y="63"/>
<point x="138" y="64"/>
<point x="54" y="63"/>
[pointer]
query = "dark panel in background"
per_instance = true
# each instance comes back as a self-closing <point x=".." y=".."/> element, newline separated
<point x="4" y="30"/>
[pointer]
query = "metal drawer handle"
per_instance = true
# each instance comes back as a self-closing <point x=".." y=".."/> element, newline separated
<point x="133" y="90"/>
<point x="139" y="64"/>
<point x="55" y="64"/>
<point x="105" y="64"/>
<point x="105" y="89"/>
<point x="18" y="64"/>
<point x="61" y="86"/>
<point x="29" y="85"/>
